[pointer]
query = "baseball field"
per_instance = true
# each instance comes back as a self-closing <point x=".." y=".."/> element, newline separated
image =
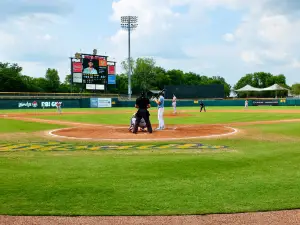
<point x="85" y="162"/>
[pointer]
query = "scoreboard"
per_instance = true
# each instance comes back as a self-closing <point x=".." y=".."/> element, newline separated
<point x="92" y="71"/>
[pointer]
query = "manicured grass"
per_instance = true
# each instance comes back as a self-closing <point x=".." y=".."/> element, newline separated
<point x="193" y="118"/>
<point x="256" y="176"/>
<point x="10" y="126"/>
<point x="287" y="129"/>
<point x="210" y="108"/>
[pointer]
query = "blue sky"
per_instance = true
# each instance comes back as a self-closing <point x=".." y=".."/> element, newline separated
<point x="210" y="37"/>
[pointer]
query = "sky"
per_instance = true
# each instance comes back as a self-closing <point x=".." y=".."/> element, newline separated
<point x="227" y="38"/>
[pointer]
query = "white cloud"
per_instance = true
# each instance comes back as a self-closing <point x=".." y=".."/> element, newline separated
<point x="228" y="37"/>
<point x="265" y="39"/>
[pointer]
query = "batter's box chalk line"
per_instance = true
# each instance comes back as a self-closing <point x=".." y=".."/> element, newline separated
<point x="52" y="134"/>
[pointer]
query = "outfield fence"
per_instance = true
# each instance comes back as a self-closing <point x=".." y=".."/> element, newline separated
<point x="43" y="101"/>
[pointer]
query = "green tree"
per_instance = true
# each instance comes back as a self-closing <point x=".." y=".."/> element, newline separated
<point x="122" y="84"/>
<point x="124" y="65"/>
<point x="53" y="80"/>
<point x="10" y="78"/>
<point x="161" y="78"/>
<point x="296" y="89"/>
<point x="221" y="80"/>
<point x="176" y="77"/>
<point x="144" y="74"/>
<point x="191" y="78"/>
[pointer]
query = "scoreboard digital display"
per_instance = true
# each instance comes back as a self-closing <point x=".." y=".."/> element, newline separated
<point x="91" y="71"/>
<point x="94" y="70"/>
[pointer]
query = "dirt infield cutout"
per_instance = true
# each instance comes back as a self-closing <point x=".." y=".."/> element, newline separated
<point x="111" y="133"/>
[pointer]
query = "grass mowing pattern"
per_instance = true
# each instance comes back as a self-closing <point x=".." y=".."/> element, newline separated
<point x="11" y="126"/>
<point x="258" y="175"/>
<point x="194" y="118"/>
<point x="100" y="184"/>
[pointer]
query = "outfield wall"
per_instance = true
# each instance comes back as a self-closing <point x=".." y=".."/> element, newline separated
<point x="88" y="103"/>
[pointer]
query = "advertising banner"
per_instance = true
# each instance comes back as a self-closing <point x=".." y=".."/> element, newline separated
<point x="94" y="103"/>
<point x="104" y="102"/>
<point x="111" y="79"/>
<point x="265" y="102"/>
<point x="111" y="69"/>
<point x="77" y="78"/>
<point x="77" y="67"/>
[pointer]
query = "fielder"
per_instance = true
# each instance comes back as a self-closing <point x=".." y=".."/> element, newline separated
<point x="142" y="124"/>
<point x="174" y="104"/>
<point x="160" y="105"/>
<point x="58" y="107"/>
<point x="202" y="106"/>
<point x="246" y="104"/>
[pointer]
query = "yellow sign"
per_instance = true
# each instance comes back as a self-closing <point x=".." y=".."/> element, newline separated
<point x="195" y="102"/>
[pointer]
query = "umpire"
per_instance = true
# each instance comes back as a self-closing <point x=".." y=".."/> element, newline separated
<point x="142" y="103"/>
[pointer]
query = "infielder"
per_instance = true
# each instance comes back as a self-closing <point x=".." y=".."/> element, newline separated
<point x="202" y="106"/>
<point x="246" y="103"/>
<point x="58" y="107"/>
<point x="160" y="105"/>
<point x="142" y="124"/>
<point x="174" y="104"/>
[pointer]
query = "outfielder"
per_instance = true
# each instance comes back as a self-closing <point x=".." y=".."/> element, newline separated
<point x="174" y="103"/>
<point x="160" y="105"/>
<point x="58" y="107"/>
<point x="142" y="123"/>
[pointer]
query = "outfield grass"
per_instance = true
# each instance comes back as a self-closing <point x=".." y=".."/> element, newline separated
<point x="210" y="108"/>
<point x="193" y="118"/>
<point x="256" y="174"/>
<point x="11" y="126"/>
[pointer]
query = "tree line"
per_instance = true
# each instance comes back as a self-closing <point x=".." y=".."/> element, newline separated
<point x="146" y="75"/>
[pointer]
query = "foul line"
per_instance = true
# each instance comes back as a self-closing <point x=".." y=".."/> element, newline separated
<point x="51" y="133"/>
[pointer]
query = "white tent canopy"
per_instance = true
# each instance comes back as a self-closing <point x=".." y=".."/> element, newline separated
<point x="249" y="88"/>
<point x="274" y="87"/>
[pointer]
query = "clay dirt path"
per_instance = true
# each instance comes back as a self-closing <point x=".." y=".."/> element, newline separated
<point x="291" y="217"/>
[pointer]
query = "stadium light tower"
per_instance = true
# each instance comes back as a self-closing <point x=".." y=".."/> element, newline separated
<point x="129" y="23"/>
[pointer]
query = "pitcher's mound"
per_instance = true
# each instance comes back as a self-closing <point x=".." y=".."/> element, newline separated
<point x="114" y="133"/>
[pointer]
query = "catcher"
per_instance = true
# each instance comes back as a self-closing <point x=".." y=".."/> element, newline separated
<point x="142" y="124"/>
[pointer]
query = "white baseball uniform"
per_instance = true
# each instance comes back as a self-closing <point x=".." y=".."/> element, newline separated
<point x="174" y="104"/>
<point x="246" y="104"/>
<point x="58" y="106"/>
<point x="160" y="113"/>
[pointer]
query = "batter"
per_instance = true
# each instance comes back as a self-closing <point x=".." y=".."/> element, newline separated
<point x="160" y="105"/>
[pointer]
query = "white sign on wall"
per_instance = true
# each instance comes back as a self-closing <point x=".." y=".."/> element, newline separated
<point x="95" y="87"/>
<point x="104" y="102"/>
<point x="77" y="77"/>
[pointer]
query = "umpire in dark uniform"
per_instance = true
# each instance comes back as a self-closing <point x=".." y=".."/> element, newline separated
<point x="202" y="106"/>
<point x="142" y="103"/>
